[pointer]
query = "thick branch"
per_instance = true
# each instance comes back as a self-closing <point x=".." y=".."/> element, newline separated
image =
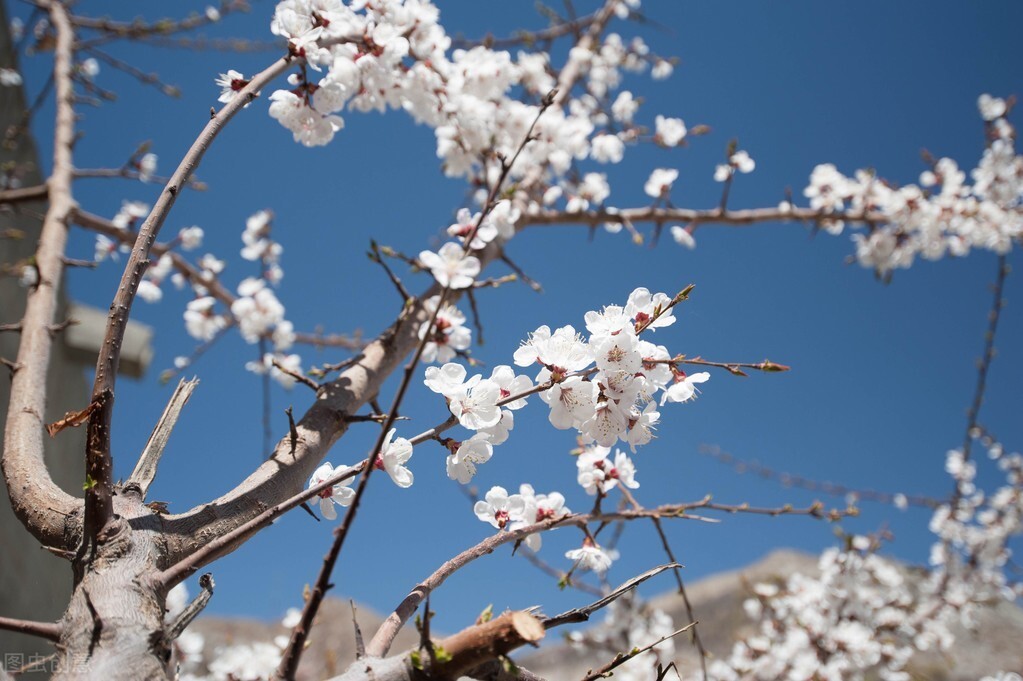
<point x="39" y="503"/>
<point x="99" y="465"/>
<point x="145" y="470"/>
<point x="481" y="643"/>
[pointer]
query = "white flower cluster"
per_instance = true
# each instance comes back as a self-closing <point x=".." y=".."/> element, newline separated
<point x="394" y="454"/>
<point x="615" y="400"/>
<point x="857" y="617"/>
<point x="943" y="214"/>
<point x="477" y="403"/>
<point x="251" y="661"/>
<point x="969" y="559"/>
<point x="480" y="102"/>
<point x="514" y="511"/>
<point x="630" y="624"/>
<point x="449" y="335"/>
<point x="861" y="616"/>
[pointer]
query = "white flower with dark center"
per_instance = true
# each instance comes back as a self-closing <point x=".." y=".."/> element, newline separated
<point x="230" y="84"/>
<point x="641" y="425"/>
<point x="499" y="508"/>
<point x="528" y="353"/>
<point x="393" y="457"/>
<point x="572" y="402"/>
<point x="462" y="463"/>
<point x="617" y="353"/>
<point x="643" y="306"/>
<point x="684" y="388"/>
<point x="450" y="266"/>
<point x="538" y="508"/>
<point x="609" y="321"/>
<point x="563" y="352"/>
<point x="590" y="557"/>
<point x="450" y="335"/>
<point x="340" y="493"/>
<point x="660" y="181"/>
<point x="510" y="384"/>
<point x="465" y="224"/>
<point x="476" y="407"/>
<point x="607" y="423"/>
<point x="592" y="467"/>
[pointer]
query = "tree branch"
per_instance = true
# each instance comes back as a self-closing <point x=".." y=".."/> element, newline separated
<point x="145" y="470"/>
<point x="20" y="194"/>
<point x="47" y="630"/>
<point x="622" y="658"/>
<point x="661" y="216"/>
<point x="390" y="627"/>
<point x="40" y="504"/>
<point x="99" y="465"/>
<point x="193" y="609"/>
<point x="583" y="614"/>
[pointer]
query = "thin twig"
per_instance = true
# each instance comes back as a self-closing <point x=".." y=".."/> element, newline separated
<point x="300" y="377"/>
<point x="984" y="366"/>
<point x="622" y="658"/>
<point x="832" y="489"/>
<point x="583" y="614"/>
<point x="193" y="609"/>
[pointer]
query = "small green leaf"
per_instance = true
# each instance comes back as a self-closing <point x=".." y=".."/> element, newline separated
<point x="88" y="484"/>
<point x="417" y="662"/>
<point x="441" y="655"/>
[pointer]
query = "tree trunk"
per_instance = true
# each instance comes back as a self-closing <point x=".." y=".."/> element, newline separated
<point x="114" y="624"/>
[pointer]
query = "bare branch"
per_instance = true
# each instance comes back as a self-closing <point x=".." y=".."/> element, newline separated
<point x="47" y="630"/>
<point x="20" y="194"/>
<point x="193" y="609"/>
<point x="384" y="636"/>
<point x="99" y="466"/>
<point x="661" y="216"/>
<point x="145" y="470"/>
<point x="583" y="614"/>
<point x="622" y="658"/>
<point x="39" y="503"/>
<point x="984" y="365"/>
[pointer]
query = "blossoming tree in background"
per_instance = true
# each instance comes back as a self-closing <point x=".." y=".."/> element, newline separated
<point x="528" y="131"/>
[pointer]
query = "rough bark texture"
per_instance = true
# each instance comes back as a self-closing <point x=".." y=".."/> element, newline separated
<point x="113" y="627"/>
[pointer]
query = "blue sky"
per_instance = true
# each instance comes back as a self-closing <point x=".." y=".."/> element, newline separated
<point x="882" y="374"/>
